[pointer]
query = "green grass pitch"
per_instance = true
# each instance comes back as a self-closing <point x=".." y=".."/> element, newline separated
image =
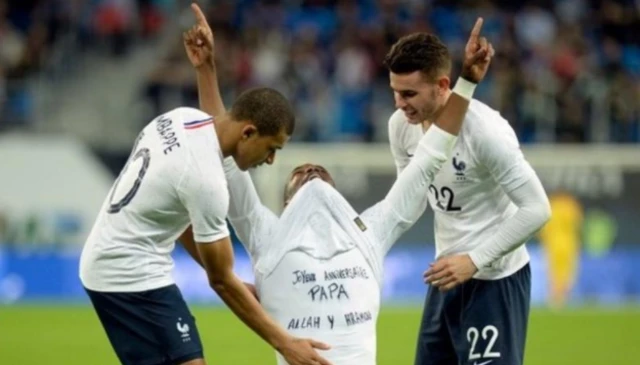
<point x="72" y="335"/>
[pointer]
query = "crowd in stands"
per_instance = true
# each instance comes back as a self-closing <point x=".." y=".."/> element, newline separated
<point x="30" y="31"/>
<point x="565" y="70"/>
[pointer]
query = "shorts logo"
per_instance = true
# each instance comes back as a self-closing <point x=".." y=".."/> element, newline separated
<point x="184" y="330"/>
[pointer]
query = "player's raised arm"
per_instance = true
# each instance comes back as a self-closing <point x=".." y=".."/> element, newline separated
<point x="519" y="181"/>
<point x="246" y="213"/>
<point x="477" y="57"/>
<point x="407" y="199"/>
<point x="199" y="45"/>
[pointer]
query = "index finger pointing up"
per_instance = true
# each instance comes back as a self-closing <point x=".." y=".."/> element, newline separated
<point x="200" y="18"/>
<point x="475" y="32"/>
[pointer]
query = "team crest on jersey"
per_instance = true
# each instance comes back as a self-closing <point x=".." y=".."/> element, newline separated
<point x="460" y="166"/>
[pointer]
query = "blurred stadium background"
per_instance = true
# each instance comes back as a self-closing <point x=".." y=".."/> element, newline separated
<point x="79" y="78"/>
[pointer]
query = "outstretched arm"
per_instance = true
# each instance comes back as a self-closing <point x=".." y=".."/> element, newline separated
<point x="248" y="216"/>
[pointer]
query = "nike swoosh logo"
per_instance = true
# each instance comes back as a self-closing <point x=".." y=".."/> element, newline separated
<point x="483" y="363"/>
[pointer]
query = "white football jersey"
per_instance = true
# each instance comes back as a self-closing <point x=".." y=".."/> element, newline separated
<point x="469" y="194"/>
<point x="174" y="178"/>
<point x="318" y="269"/>
<point x="318" y="266"/>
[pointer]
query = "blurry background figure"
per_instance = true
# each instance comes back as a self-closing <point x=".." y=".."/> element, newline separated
<point x="598" y="233"/>
<point x="561" y="238"/>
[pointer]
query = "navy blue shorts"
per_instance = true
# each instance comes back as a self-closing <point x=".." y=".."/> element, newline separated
<point x="481" y="322"/>
<point x="153" y="327"/>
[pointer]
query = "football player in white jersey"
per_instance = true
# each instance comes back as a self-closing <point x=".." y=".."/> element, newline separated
<point x="488" y="202"/>
<point x="318" y="266"/>
<point x="174" y="179"/>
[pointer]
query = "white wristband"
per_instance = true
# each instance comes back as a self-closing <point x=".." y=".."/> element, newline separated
<point x="464" y="88"/>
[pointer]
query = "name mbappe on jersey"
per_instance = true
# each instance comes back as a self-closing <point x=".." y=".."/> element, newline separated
<point x="164" y="126"/>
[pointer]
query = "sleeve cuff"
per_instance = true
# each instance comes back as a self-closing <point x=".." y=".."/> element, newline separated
<point x="206" y="238"/>
<point x="478" y="259"/>
<point x="464" y="88"/>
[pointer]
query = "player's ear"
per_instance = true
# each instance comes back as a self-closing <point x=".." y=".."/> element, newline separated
<point x="444" y="83"/>
<point x="249" y="130"/>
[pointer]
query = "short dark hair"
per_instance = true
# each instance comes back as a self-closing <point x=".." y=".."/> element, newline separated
<point x="419" y="52"/>
<point x="267" y="109"/>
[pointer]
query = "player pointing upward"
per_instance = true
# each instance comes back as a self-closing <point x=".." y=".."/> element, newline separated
<point x="175" y="179"/>
<point x="487" y="201"/>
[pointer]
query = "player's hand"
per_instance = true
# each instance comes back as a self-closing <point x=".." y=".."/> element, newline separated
<point x="448" y="272"/>
<point x="198" y="41"/>
<point x="477" y="55"/>
<point x="298" y="351"/>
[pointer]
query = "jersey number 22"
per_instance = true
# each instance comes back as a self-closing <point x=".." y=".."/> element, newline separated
<point x="447" y="196"/>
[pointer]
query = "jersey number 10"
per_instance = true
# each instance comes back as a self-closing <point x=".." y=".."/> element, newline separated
<point x="447" y="196"/>
<point x="145" y="155"/>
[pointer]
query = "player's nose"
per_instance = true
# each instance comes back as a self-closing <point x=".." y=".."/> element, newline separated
<point x="400" y="103"/>
<point x="270" y="159"/>
<point x="311" y="168"/>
